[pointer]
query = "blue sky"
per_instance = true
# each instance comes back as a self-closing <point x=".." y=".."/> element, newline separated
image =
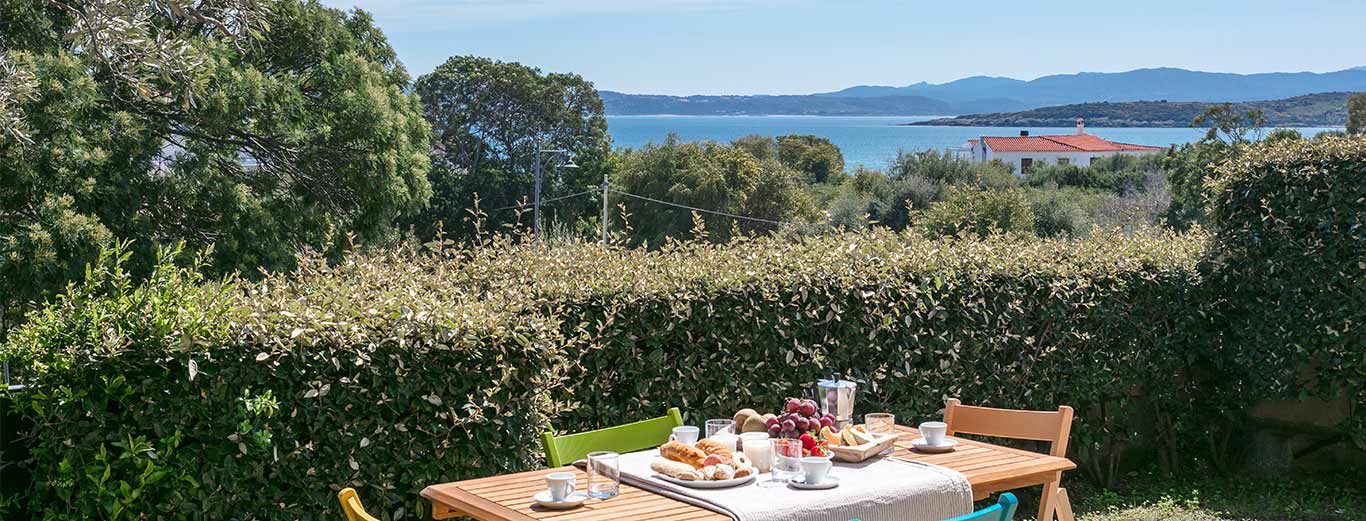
<point x="804" y="46"/>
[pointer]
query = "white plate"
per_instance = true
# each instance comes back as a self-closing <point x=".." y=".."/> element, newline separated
<point x="922" y="446"/>
<point x="830" y="482"/>
<point x="725" y="483"/>
<point x="570" y="501"/>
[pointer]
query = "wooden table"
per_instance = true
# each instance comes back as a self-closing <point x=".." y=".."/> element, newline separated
<point x="989" y="468"/>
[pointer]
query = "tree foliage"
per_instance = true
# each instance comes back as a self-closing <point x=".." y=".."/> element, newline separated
<point x="712" y="176"/>
<point x="1189" y="166"/>
<point x="255" y="128"/>
<point x="1356" y="113"/>
<point x="489" y="118"/>
<point x="816" y="157"/>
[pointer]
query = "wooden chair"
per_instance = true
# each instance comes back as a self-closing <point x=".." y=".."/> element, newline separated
<point x="563" y="450"/>
<point x="351" y="505"/>
<point x="1003" y="510"/>
<point x="1050" y="426"/>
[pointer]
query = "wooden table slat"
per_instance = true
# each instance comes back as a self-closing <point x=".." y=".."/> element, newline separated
<point x="989" y="469"/>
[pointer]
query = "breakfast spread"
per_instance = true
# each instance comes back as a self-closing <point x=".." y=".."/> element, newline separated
<point x="707" y="460"/>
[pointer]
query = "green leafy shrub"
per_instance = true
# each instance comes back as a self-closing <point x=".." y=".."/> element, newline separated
<point x="1062" y="212"/>
<point x="979" y="212"/>
<point x="389" y="373"/>
<point x="1291" y="266"/>
<point x="182" y="400"/>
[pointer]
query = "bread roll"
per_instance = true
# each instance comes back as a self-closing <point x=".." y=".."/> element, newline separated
<point x="684" y="453"/>
<point x="676" y="469"/>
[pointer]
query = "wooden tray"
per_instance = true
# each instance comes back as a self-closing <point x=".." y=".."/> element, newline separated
<point x="857" y="453"/>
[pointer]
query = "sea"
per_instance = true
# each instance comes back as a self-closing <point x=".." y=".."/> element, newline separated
<point x="871" y="141"/>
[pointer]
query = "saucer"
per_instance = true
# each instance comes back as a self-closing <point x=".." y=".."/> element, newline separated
<point x="921" y="446"/>
<point x="543" y="498"/>
<point x="830" y="482"/>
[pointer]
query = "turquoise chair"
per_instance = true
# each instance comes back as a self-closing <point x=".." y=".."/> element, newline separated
<point x="1003" y="510"/>
<point x="641" y="435"/>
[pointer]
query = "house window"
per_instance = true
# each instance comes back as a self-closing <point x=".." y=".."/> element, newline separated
<point x="1064" y="161"/>
<point x="1026" y="164"/>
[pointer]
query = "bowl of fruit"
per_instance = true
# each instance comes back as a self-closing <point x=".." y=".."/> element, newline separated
<point x="801" y="420"/>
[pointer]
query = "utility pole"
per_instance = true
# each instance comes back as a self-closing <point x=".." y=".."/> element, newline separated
<point x="536" y="196"/>
<point x="604" y="208"/>
<point x="536" y="205"/>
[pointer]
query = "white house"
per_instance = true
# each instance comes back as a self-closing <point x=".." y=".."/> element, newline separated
<point x="1024" y="151"/>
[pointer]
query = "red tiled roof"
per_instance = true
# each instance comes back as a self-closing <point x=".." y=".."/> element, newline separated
<point x="1064" y="143"/>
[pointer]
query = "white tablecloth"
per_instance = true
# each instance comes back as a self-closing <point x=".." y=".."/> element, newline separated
<point x="875" y="490"/>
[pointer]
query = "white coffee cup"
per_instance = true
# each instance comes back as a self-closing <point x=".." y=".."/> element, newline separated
<point x="560" y="485"/>
<point x="934" y="432"/>
<point x="816" y="469"/>
<point x="685" y="434"/>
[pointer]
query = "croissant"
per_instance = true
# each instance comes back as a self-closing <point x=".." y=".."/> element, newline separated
<point x="683" y="452"/>
<point x="712" y="447"/>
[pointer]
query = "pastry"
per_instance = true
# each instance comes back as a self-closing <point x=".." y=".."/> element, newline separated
<point x="743" y="466"/>
<point x="684" y="453"/>
<point x="714" y="459"/>
<point x="720" y="472"/>
<point x="741" y="460"/>
<point x="676" y="469"/>
<point x="713" y="447"/>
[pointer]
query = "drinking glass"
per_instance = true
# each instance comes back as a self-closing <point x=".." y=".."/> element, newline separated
<point x="717" y="426"/>
<point x="880" y="423"/>
<point x="758" y="449"/>
<point x="604" y="476"/>
<point x="787" y="459"/>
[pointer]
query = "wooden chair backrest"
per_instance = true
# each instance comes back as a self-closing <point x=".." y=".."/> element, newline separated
<point x="1050" y="426"/>
<point x="352" y="506"/>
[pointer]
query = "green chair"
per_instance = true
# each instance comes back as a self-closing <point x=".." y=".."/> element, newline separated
<point x="641" y="435"/>
<point x="1003" y="510"/>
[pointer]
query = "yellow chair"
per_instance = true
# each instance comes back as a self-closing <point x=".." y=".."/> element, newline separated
<point x="350" y="503"/>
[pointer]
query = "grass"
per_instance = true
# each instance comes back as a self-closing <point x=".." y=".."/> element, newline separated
<point x="1207" y="497"/>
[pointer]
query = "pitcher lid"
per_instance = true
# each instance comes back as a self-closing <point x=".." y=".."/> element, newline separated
<point x="837" y="384"/>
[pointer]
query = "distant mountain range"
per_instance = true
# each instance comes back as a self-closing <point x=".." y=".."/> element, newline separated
<point x="641" y="104"/>
<point x="1313" y="110"/>
<point x="983" y="94"/>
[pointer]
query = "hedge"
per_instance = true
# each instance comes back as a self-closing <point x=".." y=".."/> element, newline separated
<point x="190" y="399"/>
<point x="1290" y="265"/>
<point x="185" y="398"/>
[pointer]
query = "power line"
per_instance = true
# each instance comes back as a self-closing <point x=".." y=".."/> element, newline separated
<point x="650" y="199"/>
<point x="703" y="210"/>
<point x="544" y="201"/>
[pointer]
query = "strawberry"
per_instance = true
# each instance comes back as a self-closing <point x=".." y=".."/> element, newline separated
<point x="808" y="442"/>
